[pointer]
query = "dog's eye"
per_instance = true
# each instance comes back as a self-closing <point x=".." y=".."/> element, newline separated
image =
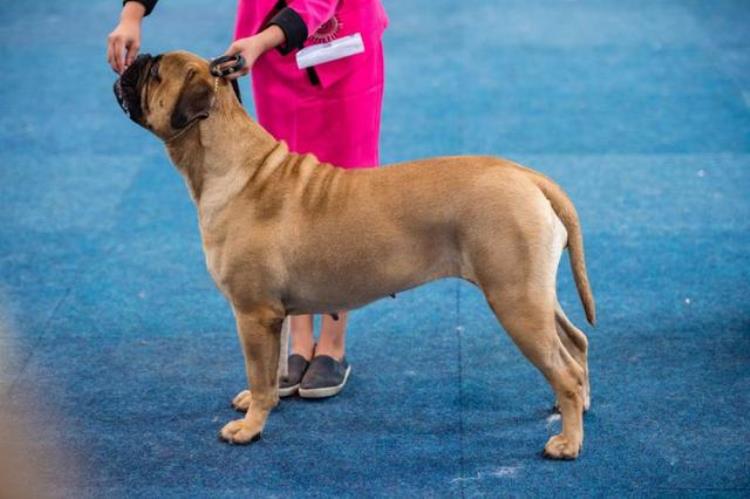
<point x="155" y="72"/>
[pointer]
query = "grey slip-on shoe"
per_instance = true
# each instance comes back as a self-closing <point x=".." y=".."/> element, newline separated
<point x="296" y="368"/>
<point x="325" y="377"/>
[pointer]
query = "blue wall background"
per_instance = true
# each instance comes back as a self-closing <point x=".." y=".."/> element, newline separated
<point x="124" y="355"/>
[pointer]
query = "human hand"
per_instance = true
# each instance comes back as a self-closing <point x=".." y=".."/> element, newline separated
<point x="125" y="40"/>
<point x="253" y="47"/>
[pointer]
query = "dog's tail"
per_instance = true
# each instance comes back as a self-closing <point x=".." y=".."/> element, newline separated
<point x="567" y="212"/>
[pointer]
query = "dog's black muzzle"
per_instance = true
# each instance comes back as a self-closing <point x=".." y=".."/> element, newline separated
<point x="128" y="86"/>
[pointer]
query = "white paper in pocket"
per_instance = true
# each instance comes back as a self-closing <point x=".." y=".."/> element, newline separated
<point x="331" y="51"/>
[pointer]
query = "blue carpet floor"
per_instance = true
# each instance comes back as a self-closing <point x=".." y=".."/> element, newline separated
<point x="121" y="350"/>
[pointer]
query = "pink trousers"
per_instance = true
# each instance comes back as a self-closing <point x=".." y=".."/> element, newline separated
<point x="332" y="111"/>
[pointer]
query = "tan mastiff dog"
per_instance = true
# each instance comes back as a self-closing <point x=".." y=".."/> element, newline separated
<point x="284" y="234"/>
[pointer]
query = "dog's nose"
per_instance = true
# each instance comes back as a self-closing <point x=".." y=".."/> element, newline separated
<point x="141" y="59"/>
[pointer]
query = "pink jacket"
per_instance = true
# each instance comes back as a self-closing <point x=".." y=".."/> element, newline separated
<point x="307" y="22"/>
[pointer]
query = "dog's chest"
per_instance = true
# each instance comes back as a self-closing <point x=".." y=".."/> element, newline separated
<point x="236" y="265"/>
<point x="215" y="263"/>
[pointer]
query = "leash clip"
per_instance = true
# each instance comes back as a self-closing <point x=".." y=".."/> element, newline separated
<point x="226" y="65"/>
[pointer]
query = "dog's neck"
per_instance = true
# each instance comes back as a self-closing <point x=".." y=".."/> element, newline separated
<point x="213" y="156"/>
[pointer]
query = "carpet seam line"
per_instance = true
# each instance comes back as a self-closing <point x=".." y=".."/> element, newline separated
<point x="45" y="326"/>
<point x="457" y="329"/>
<point x="38" y="340"/>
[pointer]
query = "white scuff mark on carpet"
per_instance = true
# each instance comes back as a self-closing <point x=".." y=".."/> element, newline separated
<point x="501" y="472"/>
<point x="467" y="478"/>
<point x="504" y="471"/>
<point x="552" y="419"/>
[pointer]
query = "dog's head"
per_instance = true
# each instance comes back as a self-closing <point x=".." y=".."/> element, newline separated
<point x="167" y="93"/>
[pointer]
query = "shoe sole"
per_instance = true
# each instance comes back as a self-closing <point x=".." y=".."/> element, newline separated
<point x="325" y="392"/>
<point x="288" y="391"/>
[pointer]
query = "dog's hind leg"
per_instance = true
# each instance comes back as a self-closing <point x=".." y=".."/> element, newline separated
<point x="259" y="332"/>
<point x="577" y="345"/>
<point x="284" y="347"/>
<point x="241" y="402"/>
<point x="528" y="315"/>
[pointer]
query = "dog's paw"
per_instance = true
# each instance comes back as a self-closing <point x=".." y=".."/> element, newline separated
<point x="559" y="447"/>
<point x="241" y="402"/>
<point x="240" y="431"/>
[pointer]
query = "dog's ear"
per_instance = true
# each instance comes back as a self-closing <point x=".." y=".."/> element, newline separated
<point x="193" y="102"/>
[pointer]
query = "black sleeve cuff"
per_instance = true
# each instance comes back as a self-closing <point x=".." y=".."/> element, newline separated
<point x="294" y="28"/>
<point x="148" y="4"/>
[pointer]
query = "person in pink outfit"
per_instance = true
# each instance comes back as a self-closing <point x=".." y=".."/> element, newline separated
<point x="331" y="110"/>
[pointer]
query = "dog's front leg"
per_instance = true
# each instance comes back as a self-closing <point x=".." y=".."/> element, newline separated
<point x="242" y="400"/>
<point x="259" y="333"/>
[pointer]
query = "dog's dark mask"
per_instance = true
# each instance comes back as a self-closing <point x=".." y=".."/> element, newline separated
<point x="128" y="87"/>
